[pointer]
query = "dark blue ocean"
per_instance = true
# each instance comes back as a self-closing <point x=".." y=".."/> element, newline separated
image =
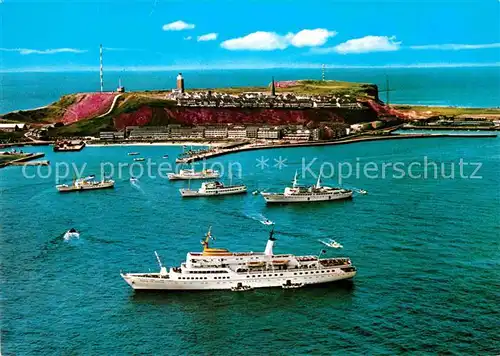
<point x="466" y="87"/>
<point x="427" y="251"/>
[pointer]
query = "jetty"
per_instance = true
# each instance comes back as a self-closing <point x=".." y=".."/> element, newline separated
<point x="220" y="151"/>
<point x="19" y="159"/>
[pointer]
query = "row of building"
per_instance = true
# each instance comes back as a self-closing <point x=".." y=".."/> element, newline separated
<point x="264" y="100"/>
<point x="232" y="132"/>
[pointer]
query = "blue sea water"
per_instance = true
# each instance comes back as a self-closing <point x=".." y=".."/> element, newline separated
<point x="427" y="252"/>
<point x="466" y="87"/>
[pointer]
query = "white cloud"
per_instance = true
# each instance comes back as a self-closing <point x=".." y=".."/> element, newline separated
<point x="456" y="47"/>
<point x="311" y="38"/>
<point x="208" y="37"/>
<point x="188" y="38"/>
<point x="178" y="26"/>
<point x="364" y="45"/>
<point x="269" y="41"/>
<point x="25" y="51"/>
<point x="257" y="41"/>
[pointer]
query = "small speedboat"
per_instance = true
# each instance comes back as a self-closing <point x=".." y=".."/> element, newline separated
<point x="71" y="234"/>
<point x="140" y="159"/>
<point x="255" y="192"/>
<point x="267" y="222"/>
<point x="241" y="288"/>
<point x="165" y="156"/>
<point x="362" y="191"/>
<point x="331" y="243"/>
<point x="133" y="180"/>
<point x="292" y="285"/>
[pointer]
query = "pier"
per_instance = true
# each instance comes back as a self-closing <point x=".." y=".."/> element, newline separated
<point x="23" y="160"/>
<point x="224" y="150"/>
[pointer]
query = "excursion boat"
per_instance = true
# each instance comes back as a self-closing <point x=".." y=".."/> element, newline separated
<point x="87" y="183"/>
<point x="314" y="193"/>
<point x="218" y="268"/>
<point x="68" y="146"/>
<point x="214" y="188"/>
<point x="186" y="174"/>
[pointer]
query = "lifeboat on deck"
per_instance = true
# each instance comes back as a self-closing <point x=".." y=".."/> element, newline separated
<point x="279" y="262"/>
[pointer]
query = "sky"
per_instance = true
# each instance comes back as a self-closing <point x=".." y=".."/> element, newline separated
<point x="189" y="34"/>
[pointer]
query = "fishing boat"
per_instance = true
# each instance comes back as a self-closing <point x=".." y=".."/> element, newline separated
<point x="214" y="189"/>
<point x="218" y="268"/>
<point x="87" y="183"/>
<point x="187" y="174"/>
<point x="307" y="194"/>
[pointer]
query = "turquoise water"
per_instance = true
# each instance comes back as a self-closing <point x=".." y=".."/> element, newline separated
<point x="471" y="87"/>
<point x="427" y="252"/>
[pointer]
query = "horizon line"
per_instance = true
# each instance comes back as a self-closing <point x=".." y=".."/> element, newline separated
<point x="167" y="68"/>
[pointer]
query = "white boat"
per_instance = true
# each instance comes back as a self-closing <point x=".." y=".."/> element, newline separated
<point x="133" y="153"/>
<point x="314" y="193"/>
<point x="214" y="189"/>
<point x="133" y="180"/>
<point x="71" y="234"/>
<point x="255" y="192"/>
<point x="187" y="174"/>
<point x="331" y="243"/>
<point x="267" y="222"/>
<point x="139" y="159"/>
<point x="362" y="191"/>
<point x="241" y="288"/>
<point x="218" y="268"/>
<point x="87" y="183"/>
<point x="292" y="285"/>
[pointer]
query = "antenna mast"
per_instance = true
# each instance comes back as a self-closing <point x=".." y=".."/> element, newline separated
<point x="323" y="72"/>
<point x="100" y="68"/>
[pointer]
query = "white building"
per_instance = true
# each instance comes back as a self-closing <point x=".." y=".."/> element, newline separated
<point x="13" y="127"/>
<point x="269" y="133"/>
<point x="216" y="132"/>
<point x="238" y="132"/>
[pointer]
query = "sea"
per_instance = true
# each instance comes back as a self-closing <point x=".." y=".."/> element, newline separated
<point x="425" y="241"/>
<point x="445" y="86"/>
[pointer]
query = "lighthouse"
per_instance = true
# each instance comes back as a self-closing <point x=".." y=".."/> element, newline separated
<point x="180" y="83"/>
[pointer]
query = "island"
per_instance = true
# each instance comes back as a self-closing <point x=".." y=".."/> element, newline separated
<point x="294" y="111"/>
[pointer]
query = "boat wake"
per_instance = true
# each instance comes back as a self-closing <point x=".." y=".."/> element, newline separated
<point x="331" y="243"/>
<point x="260" y="218"/>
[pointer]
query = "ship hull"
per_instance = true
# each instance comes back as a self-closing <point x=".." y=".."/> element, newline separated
<point x="188" y="193"/>
<point x="271" y="198"/>
<point x="79" y="189"/>
<point x="278" y="279"/>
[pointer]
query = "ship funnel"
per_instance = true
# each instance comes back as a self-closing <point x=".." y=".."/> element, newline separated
<point x="270" y="244"/>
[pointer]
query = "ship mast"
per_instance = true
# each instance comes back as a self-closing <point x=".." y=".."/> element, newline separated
<point x="294" y="182"/>
<point x="318" y="182"/>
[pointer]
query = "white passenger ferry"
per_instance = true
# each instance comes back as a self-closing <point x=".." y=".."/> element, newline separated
<point x="314" y="193"/>
<point x="217" y="268"/>
<point x="187" y="174"/>
<point x="214" y="189"/>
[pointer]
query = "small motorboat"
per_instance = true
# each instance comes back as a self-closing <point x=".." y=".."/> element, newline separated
<point x="133" y="153"/>
<point x="139" y="159"/>
<point x="255" y="192"/>
<point x="241" y="288"/>
<point x="331" y="243"/>
<point x="133" y="180"/>
<point x="267" y="222"/>
<point x="362" y="191"/>
<point x="292" y="285"/>
<point x="165" y="156"/>
<point x="71" y="234"/>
